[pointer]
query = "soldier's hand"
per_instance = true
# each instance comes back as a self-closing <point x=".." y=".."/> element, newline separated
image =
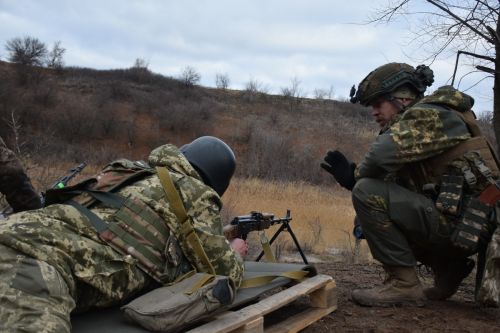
<point x="240" y="246"/>
<point x="341" y="168"/>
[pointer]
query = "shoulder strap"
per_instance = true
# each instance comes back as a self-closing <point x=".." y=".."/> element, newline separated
<point x="470" y="120"/>
<point x="187" y="230"/>
<point x="261" y="280"/>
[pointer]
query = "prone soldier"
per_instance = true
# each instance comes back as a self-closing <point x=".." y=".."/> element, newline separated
<point x="132" y="228"/>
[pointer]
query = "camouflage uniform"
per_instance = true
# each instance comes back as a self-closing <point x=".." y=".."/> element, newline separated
<point x="400" y="223"/>
<point x="52" y="261"/>
<point x="14" y="183"/>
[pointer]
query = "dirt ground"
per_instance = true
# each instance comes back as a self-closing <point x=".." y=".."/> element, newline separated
<point x="458" y="314"/>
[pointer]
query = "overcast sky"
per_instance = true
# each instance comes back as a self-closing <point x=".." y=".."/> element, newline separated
<point x="319" y="42"/>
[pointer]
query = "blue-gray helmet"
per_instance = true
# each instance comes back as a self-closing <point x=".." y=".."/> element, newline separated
<point x="213" y="159"/>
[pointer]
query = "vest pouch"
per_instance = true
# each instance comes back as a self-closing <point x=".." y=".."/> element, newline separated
<point x="472" y="226"/>
<point x="172" y="308"/>
<point x="450" y="195"/>
<point x="60" y="195"/>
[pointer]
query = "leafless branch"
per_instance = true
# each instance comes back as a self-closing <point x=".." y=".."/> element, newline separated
<point x="459" y="19"/>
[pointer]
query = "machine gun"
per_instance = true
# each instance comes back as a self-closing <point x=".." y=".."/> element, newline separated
<point x="242" y="225"/>
<point x="63" y="181"/>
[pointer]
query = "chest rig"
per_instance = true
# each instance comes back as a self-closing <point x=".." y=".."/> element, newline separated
<point x="158" y="245"/>
<point x="463" y="183"/>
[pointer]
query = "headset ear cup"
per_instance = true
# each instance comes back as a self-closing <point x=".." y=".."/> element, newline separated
<point x="425" y="75"/>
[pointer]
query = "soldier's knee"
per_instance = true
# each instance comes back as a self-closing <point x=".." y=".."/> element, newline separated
<point x="39" y="279"/>
<point x="39" y="298"/>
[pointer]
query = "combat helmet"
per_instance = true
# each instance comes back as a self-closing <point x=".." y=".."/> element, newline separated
<point x="213" y="159"/>
<point x="390" y="78"/>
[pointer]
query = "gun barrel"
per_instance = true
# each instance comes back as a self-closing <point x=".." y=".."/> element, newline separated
<point x="79" y="168"/>
<point x="61" y="182"/>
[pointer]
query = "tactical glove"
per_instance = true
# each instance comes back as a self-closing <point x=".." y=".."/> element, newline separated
<point x="341" y="168"/>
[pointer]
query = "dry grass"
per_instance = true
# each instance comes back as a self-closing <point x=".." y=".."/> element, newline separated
<point x="322" y="216"/>
<point x="43" y="176"/>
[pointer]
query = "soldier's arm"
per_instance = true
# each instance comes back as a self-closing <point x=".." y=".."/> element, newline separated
<point x="208" y="225"/>
<point x="421" y="133"/>
<point x="14" y="183"/>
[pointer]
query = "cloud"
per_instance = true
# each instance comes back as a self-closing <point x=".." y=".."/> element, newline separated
<point x="318" y="41"/>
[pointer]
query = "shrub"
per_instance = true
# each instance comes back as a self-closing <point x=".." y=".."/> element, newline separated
<point x="27" y="51"/>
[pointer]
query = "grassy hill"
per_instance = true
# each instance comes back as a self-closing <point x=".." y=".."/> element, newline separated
<point x="74" y="114"/>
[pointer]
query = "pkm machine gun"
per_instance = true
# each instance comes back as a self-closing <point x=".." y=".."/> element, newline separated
<point x="242" y="225"/>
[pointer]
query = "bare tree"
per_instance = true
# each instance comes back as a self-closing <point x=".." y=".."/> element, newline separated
<point x="254" y="89"/>
<point x="470" y="28"/>
<point x="330" y="92"/>
<point x="222" y="81"/>
<point x="253" y="86"/>
<point x="292" y="93"/>
<point x="15" y="126"/>
<point x="141" y="64"/>
<point x="55" y="56"/>
<point x="28" y="51"/>
<point x="323" y="93"/>
<point x="319" y="93"/>
<point x="190" y="76"/>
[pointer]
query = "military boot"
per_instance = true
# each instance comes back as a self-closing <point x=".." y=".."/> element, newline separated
<point x="447" y="278"/>
<point x="401" y="287"/>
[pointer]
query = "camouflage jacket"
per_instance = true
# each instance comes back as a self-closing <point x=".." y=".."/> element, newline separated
<point x="423" y="130"/>
<point x="64" y="238"/>
<point x="201" y="203"/>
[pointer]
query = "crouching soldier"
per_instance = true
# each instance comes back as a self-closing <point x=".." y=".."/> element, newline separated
<point x="134" y="227"/>
<point x="426" y="189"/>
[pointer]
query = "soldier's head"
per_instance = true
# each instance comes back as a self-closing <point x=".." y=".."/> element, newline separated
<point x="390" y="88"/>
<point x="213" y="159"/>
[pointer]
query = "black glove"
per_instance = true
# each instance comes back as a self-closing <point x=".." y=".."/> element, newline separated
<point x="341" y="168"/>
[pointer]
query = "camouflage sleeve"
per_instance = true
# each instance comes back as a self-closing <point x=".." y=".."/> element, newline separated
<point x="422" y="132"/>
<point x="208" y="225"/>
<point x="14" y="183"/>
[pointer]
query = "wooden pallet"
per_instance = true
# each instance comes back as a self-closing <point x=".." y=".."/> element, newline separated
<point x="322" y="294"/>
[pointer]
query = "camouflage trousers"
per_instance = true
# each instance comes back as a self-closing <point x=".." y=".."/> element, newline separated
<point x="400" y="226"/>
<point x="53" y="263"/>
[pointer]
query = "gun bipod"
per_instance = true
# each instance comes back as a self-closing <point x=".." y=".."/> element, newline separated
<point x="286" y="226"/>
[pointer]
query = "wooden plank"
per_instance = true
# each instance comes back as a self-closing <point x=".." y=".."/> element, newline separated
<point x="301" y="320"/>
<point x="255" y="326"/>
<point x="233" y="320"/>
<point x="325" y="297"/>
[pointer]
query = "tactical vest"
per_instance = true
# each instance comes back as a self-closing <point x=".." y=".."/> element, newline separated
<point x="163" y="249"/>
<point x="474" y="159"/>
<point x="462" y="181"/>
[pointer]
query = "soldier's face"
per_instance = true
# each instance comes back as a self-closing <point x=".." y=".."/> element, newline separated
<point x="383" y="111"/>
